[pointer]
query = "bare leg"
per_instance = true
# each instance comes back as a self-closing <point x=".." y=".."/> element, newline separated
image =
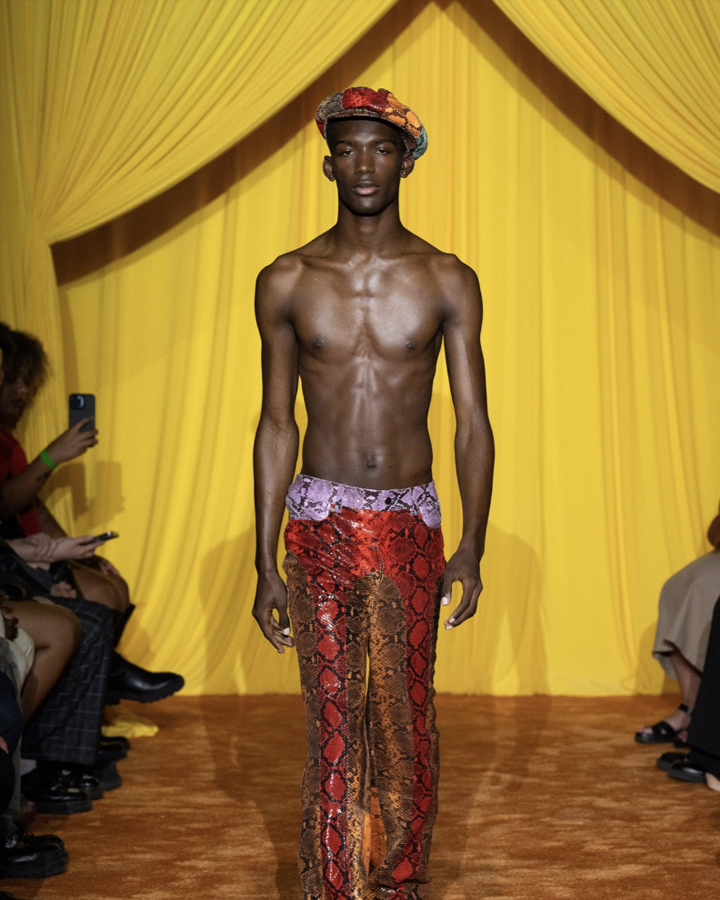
<point x="689" y="680"/>
<point x="110" y="590"/>
<point x="55" y="631"/>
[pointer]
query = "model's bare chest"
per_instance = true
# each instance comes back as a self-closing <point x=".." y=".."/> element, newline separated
<point x="366" y="314"/>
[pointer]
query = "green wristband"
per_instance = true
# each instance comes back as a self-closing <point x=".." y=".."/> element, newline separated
<point x="43" y="455"/>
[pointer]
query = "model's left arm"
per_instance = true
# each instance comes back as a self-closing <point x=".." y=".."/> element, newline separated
<point x="474" y="445"/>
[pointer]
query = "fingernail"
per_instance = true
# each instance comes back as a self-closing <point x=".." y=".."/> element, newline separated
<point x="445" y="601"/>
<point x="286" y="631"/>
<point x="451" y="620"/>
<point x="448" y="626"/>
<point x="281" y="651"/>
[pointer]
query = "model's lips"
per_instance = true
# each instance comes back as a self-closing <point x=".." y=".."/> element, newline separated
<point x="365" y="188"/>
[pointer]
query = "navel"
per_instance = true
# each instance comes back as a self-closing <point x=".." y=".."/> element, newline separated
<point x="371" y="462"/>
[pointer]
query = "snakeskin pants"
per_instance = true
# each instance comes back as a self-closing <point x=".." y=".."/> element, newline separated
<point x="364" y="592"/>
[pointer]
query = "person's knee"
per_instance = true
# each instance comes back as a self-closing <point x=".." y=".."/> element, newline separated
<point x="98" y="589"/>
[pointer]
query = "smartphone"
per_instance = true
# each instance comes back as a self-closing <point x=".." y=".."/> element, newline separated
<point x="82" y="406"/>
<point x="106" y="536"/>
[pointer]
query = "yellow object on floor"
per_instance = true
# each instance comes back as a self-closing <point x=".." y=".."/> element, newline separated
<point x="123" y="723"/>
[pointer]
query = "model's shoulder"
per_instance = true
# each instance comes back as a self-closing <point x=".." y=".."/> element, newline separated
<point x="451" y="268"/>
<point x="449" y="272"/>
<point x="288" y="267"/>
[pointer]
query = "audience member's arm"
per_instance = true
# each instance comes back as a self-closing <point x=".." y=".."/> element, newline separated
<point x="19" y="491"/>
<point x="41" y="549"/>
<point x="48" y="522"/>
<point x="714" y="532"/>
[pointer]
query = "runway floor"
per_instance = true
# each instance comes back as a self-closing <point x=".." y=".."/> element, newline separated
<point x="541" y="798"/>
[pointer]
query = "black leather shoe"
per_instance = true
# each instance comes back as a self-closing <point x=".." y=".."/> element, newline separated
<point x="25" y="856"/>
<point x="71" y="776"/>
<point x="667" y="760"/>
<point x="127" y="681"/>
<point x="54" y="798"/>
<point x="108" y="776"/>
<point x="685" y="770"/>
<point x="110" y="750"/>
<point x="22" y="833"/>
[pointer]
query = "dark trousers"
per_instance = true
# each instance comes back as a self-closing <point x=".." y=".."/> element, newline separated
<point x="704" y="731"/>
<point x="66" y="728"/>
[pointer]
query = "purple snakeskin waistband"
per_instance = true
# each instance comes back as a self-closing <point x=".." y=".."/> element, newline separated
<point x="315" y="498"/>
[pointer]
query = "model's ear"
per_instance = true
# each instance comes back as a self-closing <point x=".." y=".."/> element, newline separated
<point x="328" y="169"/>
<point x="407" y="165"/>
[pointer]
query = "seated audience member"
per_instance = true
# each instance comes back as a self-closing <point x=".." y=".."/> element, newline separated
<point x="702" y="763"/>
<point x="22" y="513"/>
<point x="22" y="854"/>
<point x="63" y="735"/>
<point x="681" y="639"/>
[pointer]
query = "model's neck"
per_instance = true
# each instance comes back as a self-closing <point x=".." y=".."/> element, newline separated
<point x="370" y="234"/>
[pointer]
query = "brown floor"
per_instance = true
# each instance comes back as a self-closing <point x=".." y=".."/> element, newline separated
<point x="540" y="797"/>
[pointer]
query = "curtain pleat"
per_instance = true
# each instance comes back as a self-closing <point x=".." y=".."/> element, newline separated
<point x="653" y="64"/>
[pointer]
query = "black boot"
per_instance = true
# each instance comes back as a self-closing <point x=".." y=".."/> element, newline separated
<point x="126" y="681"/>
<point x="25" y="856"/>
<point x="122" y="618"/>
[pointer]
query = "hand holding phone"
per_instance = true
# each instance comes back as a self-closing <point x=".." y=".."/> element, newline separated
<point x="71" y="443"/>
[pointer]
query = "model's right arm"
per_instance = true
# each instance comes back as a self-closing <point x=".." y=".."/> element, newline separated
<point x="276" y="447"/>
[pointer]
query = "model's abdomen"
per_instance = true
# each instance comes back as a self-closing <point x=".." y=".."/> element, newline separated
<point x="367" y="422"/>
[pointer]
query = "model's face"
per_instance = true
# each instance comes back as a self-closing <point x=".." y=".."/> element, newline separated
<point x="367" y="159"/>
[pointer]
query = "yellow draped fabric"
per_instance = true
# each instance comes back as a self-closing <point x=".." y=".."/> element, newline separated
<point x="653" y="64"/>
<point x="108" y="102"/>
<point x="599" y="264"/>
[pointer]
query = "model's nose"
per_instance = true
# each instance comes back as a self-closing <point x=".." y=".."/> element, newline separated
<point x="364" y="163"/>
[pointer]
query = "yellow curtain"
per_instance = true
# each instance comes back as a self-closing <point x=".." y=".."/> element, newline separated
<point x="600" y="265"/>
<point x="653" y="64"/>
<point x="105" y="103"/>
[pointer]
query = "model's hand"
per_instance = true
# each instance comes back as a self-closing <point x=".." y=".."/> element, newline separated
<point x="463" y="566"/>
<point x="72" y="442"/>
<point x="271" y="595"/>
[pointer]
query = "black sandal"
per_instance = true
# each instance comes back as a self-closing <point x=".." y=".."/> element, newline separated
<point x="662" y="732"/>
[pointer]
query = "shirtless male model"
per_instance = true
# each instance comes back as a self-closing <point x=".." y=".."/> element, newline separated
<point x="359" y="315"/>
